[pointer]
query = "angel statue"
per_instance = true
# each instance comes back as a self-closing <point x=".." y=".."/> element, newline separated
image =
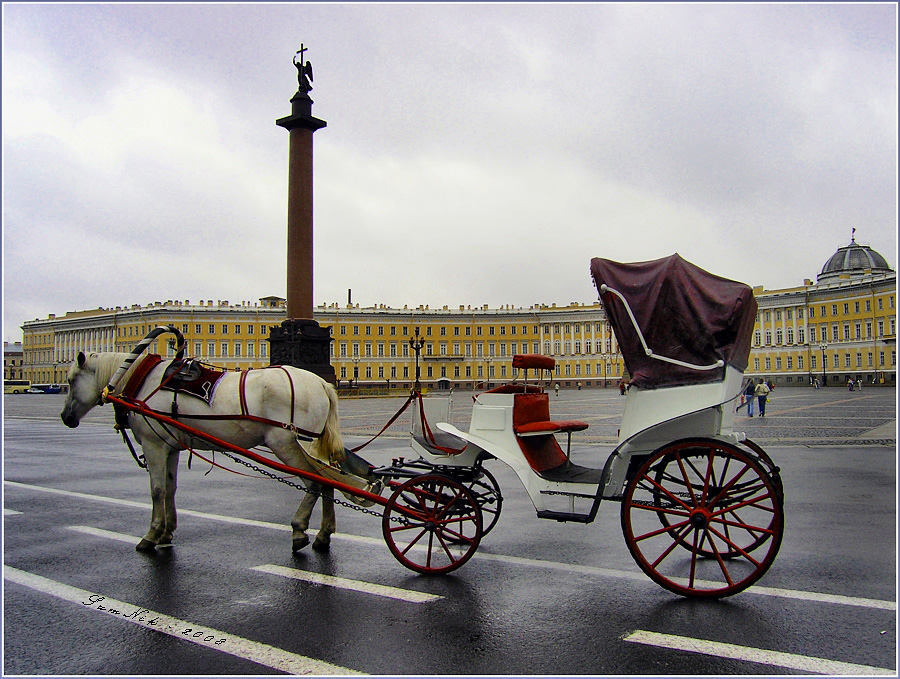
<point x="304" y="71"/>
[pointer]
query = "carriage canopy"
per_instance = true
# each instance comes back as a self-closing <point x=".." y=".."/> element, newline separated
<point x="690" y="323"/>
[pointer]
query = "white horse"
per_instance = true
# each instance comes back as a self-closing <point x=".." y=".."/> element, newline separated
<point x="283" y="395"/>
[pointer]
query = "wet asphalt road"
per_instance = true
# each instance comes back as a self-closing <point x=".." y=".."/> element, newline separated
<point x="539" y="597"/>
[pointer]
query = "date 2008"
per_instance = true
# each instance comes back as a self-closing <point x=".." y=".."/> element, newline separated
<point x="142" y="614"/>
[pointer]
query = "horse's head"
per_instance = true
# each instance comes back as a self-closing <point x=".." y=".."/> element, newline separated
<point x="84" y="389"/>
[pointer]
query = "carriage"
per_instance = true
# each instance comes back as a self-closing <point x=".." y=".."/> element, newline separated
<point x="701" y="505"/>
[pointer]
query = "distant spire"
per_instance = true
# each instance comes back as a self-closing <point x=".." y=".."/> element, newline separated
<point x="853" y="235"/>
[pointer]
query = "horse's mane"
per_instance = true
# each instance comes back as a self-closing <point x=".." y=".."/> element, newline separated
<point x="107" y="363"/>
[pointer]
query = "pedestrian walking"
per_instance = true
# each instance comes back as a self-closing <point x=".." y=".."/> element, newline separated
<point x="748" y="392"/>
<point x="850" y="384"/>
<point x="762" y="394"/>
<point x="556" y="388"/>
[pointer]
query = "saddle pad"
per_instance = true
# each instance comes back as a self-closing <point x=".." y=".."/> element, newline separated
<point x="198" y="380"/>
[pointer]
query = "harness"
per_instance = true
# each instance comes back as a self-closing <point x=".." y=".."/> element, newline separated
<point x="197" y="380"/>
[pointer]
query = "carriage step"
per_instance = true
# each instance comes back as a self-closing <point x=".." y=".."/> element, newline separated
<point x="564" y="516"/>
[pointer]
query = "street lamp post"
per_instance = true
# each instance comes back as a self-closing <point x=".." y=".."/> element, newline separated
<point x="416" y="345"/>
<point x="356" y="371"/>
<point x="823" y="347"/>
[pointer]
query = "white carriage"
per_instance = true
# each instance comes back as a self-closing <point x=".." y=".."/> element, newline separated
<point x="701" y="504"/>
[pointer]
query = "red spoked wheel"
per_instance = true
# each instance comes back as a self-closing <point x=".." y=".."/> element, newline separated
<point x="487" y="494"/>
<point x="721" y="516"/>
<point x="432" y="524"/>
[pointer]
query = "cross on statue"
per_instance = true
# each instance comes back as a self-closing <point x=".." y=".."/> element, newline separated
<point x="304" y="70"/>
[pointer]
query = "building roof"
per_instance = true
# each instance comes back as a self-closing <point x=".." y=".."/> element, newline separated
<point x="851" y="261"/>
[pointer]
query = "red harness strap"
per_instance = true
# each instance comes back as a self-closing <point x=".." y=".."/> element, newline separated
<point x="147" y="364"/>
<point x="150" y="361"/>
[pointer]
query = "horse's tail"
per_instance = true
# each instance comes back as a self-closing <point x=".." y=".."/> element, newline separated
<point x="330" y="444"/>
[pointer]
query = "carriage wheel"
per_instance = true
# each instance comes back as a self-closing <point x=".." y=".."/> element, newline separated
<point x="486" y="492"/>
<point x="716" y="504"/>
<point x="432" y="524"/>
<point x="670" y="473"/>
<point x="768" y="464"/>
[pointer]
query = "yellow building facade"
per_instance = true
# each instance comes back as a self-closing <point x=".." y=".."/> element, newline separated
<point x="841" y="327"/>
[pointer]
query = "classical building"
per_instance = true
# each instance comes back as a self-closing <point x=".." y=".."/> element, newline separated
<point x="13" y="361"/>
<point x="840" y="327"/>
<point x="461" y="347"/>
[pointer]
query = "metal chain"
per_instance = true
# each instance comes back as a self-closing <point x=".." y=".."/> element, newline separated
<point x="305" y="489"/>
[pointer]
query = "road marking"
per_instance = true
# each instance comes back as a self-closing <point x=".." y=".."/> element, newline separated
<point x="343" y="583"/>
<point x="247" y="649"/>
<point x="108" y="534"/>
<point x="757" y="655"/>
<point x="637" y="576"/>
<point x="294" y="573"/>
<point x="10" y="512"/>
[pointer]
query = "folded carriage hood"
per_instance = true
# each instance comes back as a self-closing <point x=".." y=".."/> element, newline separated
<point x="684" y="313"/>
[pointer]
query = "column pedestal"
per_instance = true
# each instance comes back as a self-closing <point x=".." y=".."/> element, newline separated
<point x="304" y="344"/>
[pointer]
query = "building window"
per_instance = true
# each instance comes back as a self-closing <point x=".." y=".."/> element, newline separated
<point x="778" y="336"/>
<point x="251" y="349"/>
<point x="210" y="349"/>
<point x="263" y="349"/>
<point x="237" y="349"/>
<point x="790" y="335"/>
<point x="212" y="329"/>
<point x="197" y="329"/>
<point x="224" y="348"/>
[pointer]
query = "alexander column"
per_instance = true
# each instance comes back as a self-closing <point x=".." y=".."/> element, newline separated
<point x="299" y="341"/>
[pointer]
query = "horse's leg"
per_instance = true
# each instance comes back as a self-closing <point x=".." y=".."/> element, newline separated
<point x="300" y="522"/>
<point x="156" y="453"/>
<point x="323" y="538"/>
<point x="171" y="486"/>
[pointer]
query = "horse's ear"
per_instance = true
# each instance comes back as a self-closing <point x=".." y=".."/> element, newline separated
<point x="81" y="359"/>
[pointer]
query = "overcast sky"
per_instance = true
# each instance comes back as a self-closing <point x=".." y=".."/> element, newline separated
<point x="474" y="153"/>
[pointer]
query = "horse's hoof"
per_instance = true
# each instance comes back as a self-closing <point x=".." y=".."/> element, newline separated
<point x="321" y="546"/>
<point x="299" y="543"/>
<point x="145" y="546"/>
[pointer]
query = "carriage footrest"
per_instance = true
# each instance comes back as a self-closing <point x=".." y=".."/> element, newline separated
<point x="564" y="516"/>
<point x="569" y="472"/>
